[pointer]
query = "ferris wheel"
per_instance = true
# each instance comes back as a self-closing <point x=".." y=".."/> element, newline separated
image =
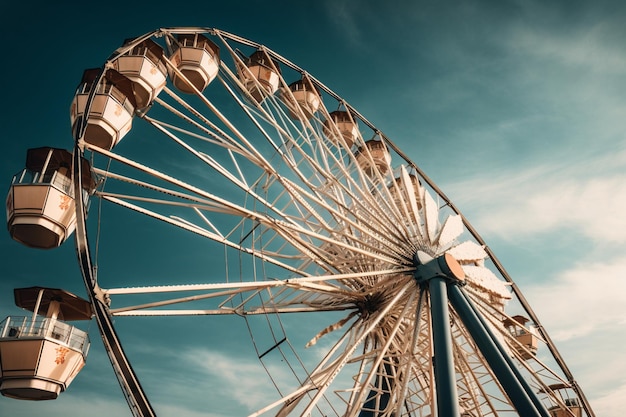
<point x="296" y="215"/>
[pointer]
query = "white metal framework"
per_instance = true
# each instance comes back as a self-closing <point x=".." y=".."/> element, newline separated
<point x="305" y="207"/>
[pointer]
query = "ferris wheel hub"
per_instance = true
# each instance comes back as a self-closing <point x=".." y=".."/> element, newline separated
<point x="444" y="266"/>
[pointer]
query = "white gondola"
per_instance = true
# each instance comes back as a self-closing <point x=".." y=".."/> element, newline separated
<point x="144" y="65"/>
<point x="567" y="403"/>
<point x="525" y="335"/>
<point x="341" y="121"/>
<point x="307" y="98"/>
<point x="376" y="157"/>
<point x="40" y="204"/>
<point x="111" y="113"/>
<point x="197" y="62"/>
<point x="262" y="75"/>
<point x="40" y="357"/>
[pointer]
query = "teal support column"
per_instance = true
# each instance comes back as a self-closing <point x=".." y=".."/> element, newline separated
<point x="529" y="390"/>
<point x="521" y="400"/>
<point x="445" y="374"/>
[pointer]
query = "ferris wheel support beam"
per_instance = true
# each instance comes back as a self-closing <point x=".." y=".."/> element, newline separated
<point x="445" y="373"/>
<point x="435" y="273"/>
<point x="519" y="392"/>
<point x="529" y="390"/>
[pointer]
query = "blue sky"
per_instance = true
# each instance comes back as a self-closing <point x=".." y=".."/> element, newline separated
<point x="515" y="109"/>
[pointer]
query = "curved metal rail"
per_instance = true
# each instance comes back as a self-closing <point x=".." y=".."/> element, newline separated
<point x="133" y="392"/>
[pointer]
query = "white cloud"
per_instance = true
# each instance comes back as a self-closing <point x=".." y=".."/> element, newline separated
<point x="584" y="311"/>
<point x="591" y="46"/>
<point x="612" y="403"/>
<point x="549" y="199"/>
<point x="578" y="203"/>
<point x="66" y="405"/>
<point x="583" y="300"/>
<point x="240" y="380"/>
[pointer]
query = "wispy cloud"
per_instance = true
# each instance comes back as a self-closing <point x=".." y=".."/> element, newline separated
<point x="587" y="199"/>
<point x="205" y="380"/>
<point x="242" y="379"/>
<point x="67" y="404"/>
<point x="612" y="402"/>
<point x="577" y="201"/>
<point x="591" y="43"/>
<point x="584" y="312"/>
<point x="570" y="68"/>
<point x="343" y="14"/>
<point x="589" y="285"/>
